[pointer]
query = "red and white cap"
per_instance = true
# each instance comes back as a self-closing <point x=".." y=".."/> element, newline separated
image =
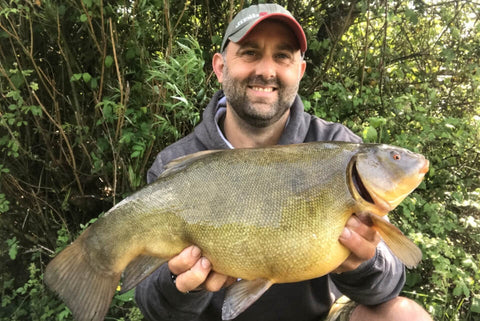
<point x="248" y="18"/>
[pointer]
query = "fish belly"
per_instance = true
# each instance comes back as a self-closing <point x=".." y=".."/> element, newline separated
<point x="280" y="254"/>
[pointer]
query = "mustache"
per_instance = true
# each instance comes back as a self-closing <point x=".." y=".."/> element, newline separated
<point x="260" y="80"/>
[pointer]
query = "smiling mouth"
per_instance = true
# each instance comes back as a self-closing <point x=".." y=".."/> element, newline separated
<point x="263" y="89"/>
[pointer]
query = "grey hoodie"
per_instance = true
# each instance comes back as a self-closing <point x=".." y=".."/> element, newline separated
<point x="375" y="281"/>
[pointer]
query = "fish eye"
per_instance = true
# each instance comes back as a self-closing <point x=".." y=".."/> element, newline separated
<point x="396" y="156"/>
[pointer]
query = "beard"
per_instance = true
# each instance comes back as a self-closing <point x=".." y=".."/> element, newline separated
<point x="258" y="113"/>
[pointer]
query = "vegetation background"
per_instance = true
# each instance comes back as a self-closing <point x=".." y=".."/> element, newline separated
<point x="91" y="90"/>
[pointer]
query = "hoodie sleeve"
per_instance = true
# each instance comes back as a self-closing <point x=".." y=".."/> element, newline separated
<point x="158" y="298"/>
<point x="185" y="146"/>
<point x="375" y="281"/>
<point x="155" y="170"/>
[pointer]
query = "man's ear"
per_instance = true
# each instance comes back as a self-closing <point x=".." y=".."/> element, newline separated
<point x="303" y="66"/>
<point x="218" y="63"/>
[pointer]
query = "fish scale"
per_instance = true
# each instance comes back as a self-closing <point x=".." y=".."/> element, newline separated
<point x="267" y="215"/>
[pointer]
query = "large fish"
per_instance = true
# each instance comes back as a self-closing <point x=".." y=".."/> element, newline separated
<point x="269" y="215"/>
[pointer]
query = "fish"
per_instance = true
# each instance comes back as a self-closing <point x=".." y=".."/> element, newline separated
<point x="263" y="215"/>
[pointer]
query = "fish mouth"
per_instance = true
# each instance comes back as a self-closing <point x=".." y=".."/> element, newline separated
<point x="359" y="186"/>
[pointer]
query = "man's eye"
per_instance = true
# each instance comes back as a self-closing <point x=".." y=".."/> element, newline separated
<point x="283" y="56"/>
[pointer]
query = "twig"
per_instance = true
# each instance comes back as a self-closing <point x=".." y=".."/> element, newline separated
<point x="120" y="83"/>
<point x="98" y="98"/>
<point x="382" y="58"/>
<point x="365" y="48"/>
<point x="90" y="26"/>
<point x="181" y="14"/>
<point x="62" y="133"/>
<point x="166" y="12"/>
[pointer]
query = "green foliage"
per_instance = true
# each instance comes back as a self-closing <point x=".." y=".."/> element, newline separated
<point x="181" y="86"/>
<point x="13" y="248"/>
<point x="90" y="91"/>
<point x="422" y="93"/>
<point x="32" y="301"/>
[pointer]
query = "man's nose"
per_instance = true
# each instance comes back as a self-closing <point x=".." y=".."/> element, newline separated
<point x="266" y="68"/>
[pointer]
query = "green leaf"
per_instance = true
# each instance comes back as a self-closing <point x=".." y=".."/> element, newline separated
<point x="86" y="77"/>
<point x="461" y="289"/>
<point x="17" y="80"/>
<point x="475" y="307"/>
<point x="13" y="248"/>
<point x="182" y="99"/>
<point x="370" y="134"/>
<point x="217" y="40"/>
<point x="94" y="83"/>
<point x="127" y="296"/>
<point x="34" y="86"/>
<point x="4" y="203"/>
<point x="411" y="16"/>
<point x="307" y="105"/>
<point x="88" y="3"/>
<point x="377" y="121"/>
<point x="131" y="53"/>
<point x="15" y="95"/>
<point x="83" y="18"/>
<point x="61" y="9"/>
<point x="108" y="61"/>
<point x="76" y="77"/>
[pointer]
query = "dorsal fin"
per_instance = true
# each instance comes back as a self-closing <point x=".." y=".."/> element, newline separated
<point x="180" y="163"/>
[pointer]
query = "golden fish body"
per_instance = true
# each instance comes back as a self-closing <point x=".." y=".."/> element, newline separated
<point x="270" y="215"/>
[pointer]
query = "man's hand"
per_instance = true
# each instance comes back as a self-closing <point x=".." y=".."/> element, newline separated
<point x="194" y="271"/>
<point x="361" y="239"/>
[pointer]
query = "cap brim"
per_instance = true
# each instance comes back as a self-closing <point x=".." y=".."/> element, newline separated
<point x="292" y="23"/>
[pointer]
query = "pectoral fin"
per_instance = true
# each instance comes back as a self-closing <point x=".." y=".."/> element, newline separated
<point x="241" y="295"/>
<point x="137" y="270"/>
<point x="401" y="246"/>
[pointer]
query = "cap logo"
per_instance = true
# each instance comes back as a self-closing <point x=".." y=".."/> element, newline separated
<point x="248" y="18"/>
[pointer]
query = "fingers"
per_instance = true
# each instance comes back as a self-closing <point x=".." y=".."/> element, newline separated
<point x="185" y="260"/>
<point x="194" y="271"/>
<point x="361" y="239"/>
<point x="362" y="225"/>
<point x="216" y="281"/>
<point x="190" y="268"/>
<point x="194" y="277"/>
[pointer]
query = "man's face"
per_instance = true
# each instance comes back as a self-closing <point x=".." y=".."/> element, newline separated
<point x="260" y="75"/>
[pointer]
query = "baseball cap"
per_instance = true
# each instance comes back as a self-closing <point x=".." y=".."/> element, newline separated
<point x="248" y="18"/>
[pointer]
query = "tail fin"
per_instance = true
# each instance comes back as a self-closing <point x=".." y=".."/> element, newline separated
<point x="85" y="290"/>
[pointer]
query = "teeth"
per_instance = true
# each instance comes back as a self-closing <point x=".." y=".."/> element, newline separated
<point x="269" y="89"/>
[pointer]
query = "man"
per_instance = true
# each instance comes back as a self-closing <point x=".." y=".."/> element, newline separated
<point x="260" y="67"/>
